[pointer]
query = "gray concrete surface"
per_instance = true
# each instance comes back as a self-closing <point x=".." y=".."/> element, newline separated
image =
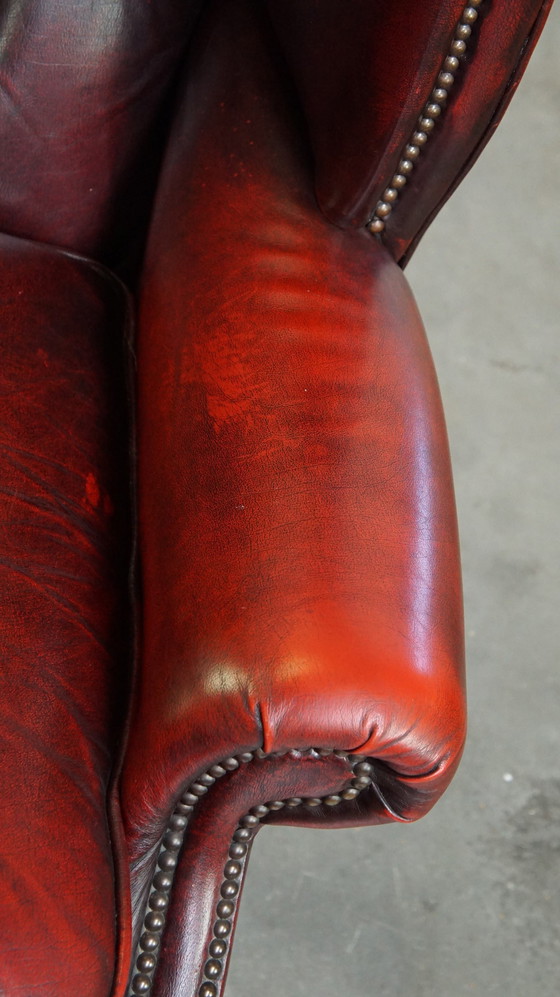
<point x="467" y="901"/>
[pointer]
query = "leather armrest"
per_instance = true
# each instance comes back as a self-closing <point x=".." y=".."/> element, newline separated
<point x="298" y="542"/>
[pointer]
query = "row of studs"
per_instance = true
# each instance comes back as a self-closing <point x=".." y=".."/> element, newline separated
<point x="233" y="869"/>
<point x="162" y="882"/>
<point x="427" y="119"/>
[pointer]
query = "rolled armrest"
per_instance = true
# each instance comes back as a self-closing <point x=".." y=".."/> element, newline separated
<point x="298" y="542"/>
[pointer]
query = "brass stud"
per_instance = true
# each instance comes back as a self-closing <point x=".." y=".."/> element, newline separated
<point x="458" y="47"/>
<point x="178" y="822"/>
<point x="446" y="80"/>
<point x="218" y="948"/>
<point x="141" y="984"/>
<point x="383" y="209"/>
<point x="173" y="841"/>
<point x="451" y="64"/>
<point x="146" y="962"/>
<point x="260" y="811"/>
<point x="207" y="990"/>
<point x="469" y="15"/>
<point x="163" y="881"/>
<point x="158" y="900"/>
<point x="249" y="820"/>
<point x="212" y="969"/>
<point x="232" y="869"/>
<point x="149" y="941"/>
<point x="167" y="860"/>
<point x="154" y="920"/>
<point x="230" y="764"/>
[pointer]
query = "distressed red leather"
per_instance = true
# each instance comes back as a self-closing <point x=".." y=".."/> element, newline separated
<point x="298" y="544"/>
<point x="63" y="630"/>
<point x="297" y="524"/>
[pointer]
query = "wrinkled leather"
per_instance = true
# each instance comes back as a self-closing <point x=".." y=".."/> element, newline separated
<point x="298" y="544"/>
<point x="63" y="632"/>
<point x="297" y="525"/>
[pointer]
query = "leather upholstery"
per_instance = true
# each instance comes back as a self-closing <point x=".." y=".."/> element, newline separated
<point x="83" y="90"/>
<point x="297" y="543"/>
<point x="506" y="36"/>
<point x="63" y="633"/>
<point x="361" y="112"/>
<point x="382" y="59"/>
<point x="297" y="525"/>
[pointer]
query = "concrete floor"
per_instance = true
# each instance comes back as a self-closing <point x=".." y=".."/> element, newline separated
<point x="468" y="900"/>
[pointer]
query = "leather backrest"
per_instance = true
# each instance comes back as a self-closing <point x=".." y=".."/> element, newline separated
<point x="83" y="87"/>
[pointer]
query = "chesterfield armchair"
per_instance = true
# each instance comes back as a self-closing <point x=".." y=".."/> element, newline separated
<point x="230" y="574"/>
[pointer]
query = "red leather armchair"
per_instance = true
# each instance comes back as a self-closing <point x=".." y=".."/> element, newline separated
<point x="297" y="623"/>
